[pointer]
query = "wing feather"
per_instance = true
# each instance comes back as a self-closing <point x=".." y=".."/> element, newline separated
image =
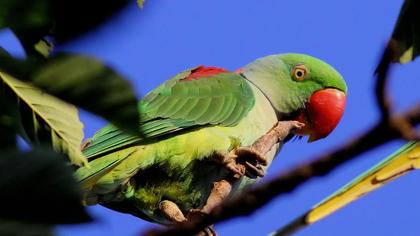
<point x="222" y="99"/>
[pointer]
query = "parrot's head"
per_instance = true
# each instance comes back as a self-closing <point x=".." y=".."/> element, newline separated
<point x="302" y="88"/>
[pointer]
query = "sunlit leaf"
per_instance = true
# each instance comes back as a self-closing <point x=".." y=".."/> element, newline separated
<point x="38" y="187"/>
<point x="46" y="119"/>
<point x="44" y="47"/>
<point x="406" y="35"/>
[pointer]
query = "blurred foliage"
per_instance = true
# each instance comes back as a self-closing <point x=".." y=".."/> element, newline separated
<point x="8" y="124"/>
<point x="39" y="187"/>
<point x="38" y="99"/>
<point x="16" y="228"/>
<point x="63" y="19"/>
<point x="406" y="35"/>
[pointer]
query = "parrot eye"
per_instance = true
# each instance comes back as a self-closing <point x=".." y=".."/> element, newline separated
<point x="299" y="72"/>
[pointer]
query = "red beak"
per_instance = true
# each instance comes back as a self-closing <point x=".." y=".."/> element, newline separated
<point x="323" y="112"/>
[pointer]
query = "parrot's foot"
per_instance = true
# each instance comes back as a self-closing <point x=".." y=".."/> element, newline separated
<point x="173" y="213"/>
<point x="249" y="160"/>
<point x="243" y="161"/>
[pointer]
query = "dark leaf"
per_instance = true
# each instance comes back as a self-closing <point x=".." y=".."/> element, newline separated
<point x="26" y="15"/>
<point x="91" y="85"/>
<point x="8" y="126"/>
<point x="15" y="67"/>
<point x="38" y="187"/>
<point x="15" y="228"/>
<point x="74" y="17"/>
<point x="406" y="35"/>
<point x="63" y="19"/>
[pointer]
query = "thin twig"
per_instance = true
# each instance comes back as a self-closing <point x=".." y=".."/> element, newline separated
<point x="383" y="98"/>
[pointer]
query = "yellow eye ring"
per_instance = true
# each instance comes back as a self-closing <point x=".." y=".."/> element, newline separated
<point x="299" y="72"/>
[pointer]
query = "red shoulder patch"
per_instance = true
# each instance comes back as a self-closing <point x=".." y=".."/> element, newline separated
<point x="202" y="71"/>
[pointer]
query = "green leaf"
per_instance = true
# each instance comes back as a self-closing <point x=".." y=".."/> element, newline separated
<point x="38" y="187"/>
<point x="91" y="85"/>
<point x="82" y="81"/>
<point x="46" y="119"/>
<point x="406" y="35"/>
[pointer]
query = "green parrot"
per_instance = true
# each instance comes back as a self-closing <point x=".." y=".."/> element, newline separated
<point x="197" y="129"/>
<point x="399" y="163"/>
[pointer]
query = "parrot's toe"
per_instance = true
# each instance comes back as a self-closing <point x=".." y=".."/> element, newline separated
<point x="250" y="155"/>
<point x="171" y="211"/>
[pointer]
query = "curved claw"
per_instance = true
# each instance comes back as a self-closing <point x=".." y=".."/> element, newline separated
<point x="254" y="171"/>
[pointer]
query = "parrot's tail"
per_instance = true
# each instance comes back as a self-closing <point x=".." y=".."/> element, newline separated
<point x="402" y="161"/>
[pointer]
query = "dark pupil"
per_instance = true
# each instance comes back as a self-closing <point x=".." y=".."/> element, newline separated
<point x="299" y="73"/>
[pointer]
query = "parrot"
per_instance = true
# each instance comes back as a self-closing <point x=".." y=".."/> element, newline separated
<point x="399" y="163"/>
<point x="198" y="129"/>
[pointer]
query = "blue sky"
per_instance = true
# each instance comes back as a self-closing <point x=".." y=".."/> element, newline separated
<point x="151" y="45"/>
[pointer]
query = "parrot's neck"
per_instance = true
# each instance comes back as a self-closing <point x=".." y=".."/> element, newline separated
<point x="278" y="114"/>
<point x="272" y="77"/>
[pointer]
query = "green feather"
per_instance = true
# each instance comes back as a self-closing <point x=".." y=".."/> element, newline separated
<point x="180" y="104"/>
